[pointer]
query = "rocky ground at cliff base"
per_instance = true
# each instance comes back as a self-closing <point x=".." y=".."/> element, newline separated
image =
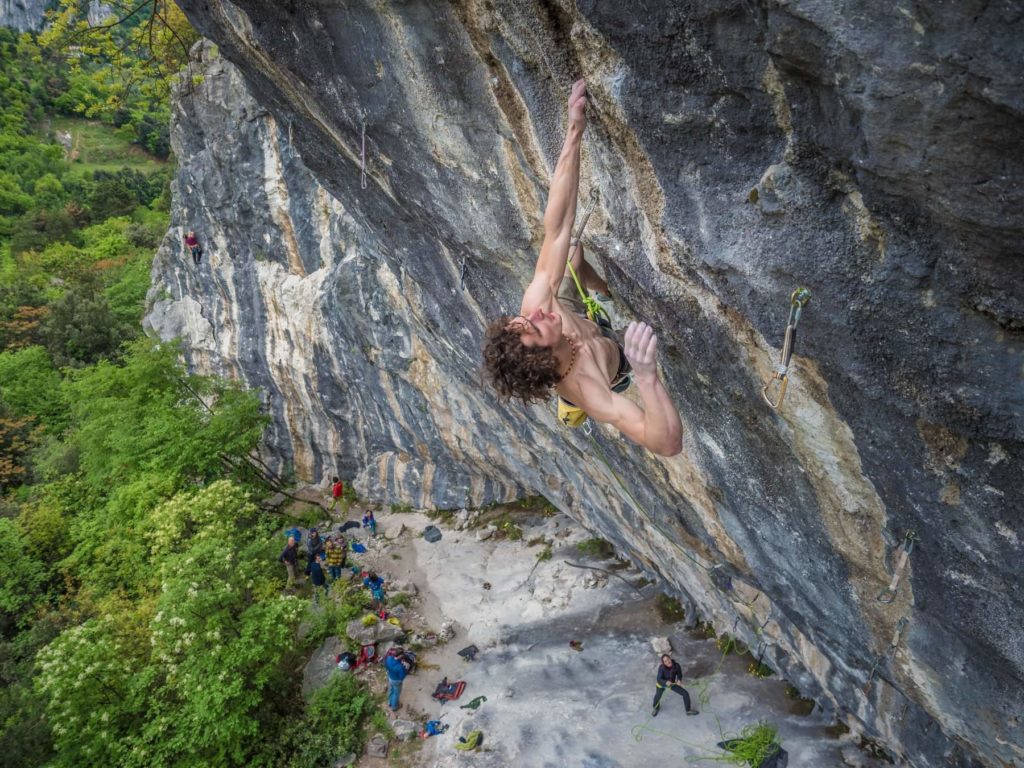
<point x="548" y="704"/>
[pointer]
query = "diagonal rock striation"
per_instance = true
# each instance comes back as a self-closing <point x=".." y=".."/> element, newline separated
<point x="870" y="152"/>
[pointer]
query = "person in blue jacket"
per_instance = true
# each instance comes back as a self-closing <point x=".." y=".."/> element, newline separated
<point x="375" y="584"/>
<point x="395" y="665"/>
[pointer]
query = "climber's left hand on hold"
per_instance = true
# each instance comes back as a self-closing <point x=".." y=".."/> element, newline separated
<point x="641" y="349"/>
<point x="578" y="105"/>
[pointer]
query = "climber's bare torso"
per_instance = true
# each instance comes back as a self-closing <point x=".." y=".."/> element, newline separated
<point x="597" y="357"/>
<point x="587" y="361"/>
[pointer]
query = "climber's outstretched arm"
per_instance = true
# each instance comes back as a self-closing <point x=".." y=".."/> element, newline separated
<point x="560" y="213"/>
<point x="656" y="426"/>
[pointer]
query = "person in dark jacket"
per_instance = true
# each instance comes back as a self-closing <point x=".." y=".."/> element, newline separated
<point x="319" y="578"/>
<point x="314" y="547"/>
<point x="290" y="558"/>
<point x="669" y="676"/>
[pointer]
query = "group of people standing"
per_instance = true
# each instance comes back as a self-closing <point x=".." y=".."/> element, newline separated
<point x="324" y="557"/>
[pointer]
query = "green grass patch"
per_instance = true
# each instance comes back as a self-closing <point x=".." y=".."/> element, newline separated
<point x="401" y="598"/>
<point x="99" y="147"/>
<point x="669" y="609"/>
<point x="595" y="547"/>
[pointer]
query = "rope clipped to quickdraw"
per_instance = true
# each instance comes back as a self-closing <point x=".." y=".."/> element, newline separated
<point x="362" y="156"/>
<point x="889" y="652"/>
<point x="594" y="308"/>
<point x="797" y="302"/>
<point x="888" y="595"/>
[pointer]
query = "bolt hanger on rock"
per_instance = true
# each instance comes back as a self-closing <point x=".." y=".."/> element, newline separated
<point x="890" y="652"/>
<point x="797" y="301"/>
<point x="888" y="595"/>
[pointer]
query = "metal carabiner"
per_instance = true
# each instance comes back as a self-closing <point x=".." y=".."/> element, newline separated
<point x="888" y="595"/>
<point x="797" y="301"/>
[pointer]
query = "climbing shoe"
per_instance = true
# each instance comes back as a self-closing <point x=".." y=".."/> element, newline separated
<point x="692" y="712"/>
<point x="654" y="712"/>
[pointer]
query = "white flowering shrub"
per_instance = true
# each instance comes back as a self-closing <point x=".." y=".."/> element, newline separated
<point x="185" y="676"/>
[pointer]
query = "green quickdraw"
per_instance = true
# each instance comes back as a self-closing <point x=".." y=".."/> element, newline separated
<point x="888" y="595"/>
<point x="797" y="302"/>
<point x="594" y="308"/>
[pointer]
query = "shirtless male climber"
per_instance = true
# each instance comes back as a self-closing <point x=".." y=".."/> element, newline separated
<point x="548" y="345"/>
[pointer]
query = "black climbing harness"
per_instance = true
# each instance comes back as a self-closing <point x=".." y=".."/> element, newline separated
<point x="797" y="301"/>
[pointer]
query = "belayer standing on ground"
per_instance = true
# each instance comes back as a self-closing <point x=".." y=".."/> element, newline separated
<point x="548" y="346"/>
<point x="669" y="676"/>
<point x="194" y="248"/>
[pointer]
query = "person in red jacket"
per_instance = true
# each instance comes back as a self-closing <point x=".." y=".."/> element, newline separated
<point x="194" y="248"/>
<point x="337" y="491"/>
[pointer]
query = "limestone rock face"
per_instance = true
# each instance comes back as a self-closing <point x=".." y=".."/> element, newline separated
<point x="23" y="15"/>
<point x="871" y="152"/>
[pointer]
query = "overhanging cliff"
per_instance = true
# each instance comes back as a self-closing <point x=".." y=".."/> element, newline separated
<point x="885" y="150"/>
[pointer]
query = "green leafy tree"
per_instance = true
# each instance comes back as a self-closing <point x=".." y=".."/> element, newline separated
<point x="194" y="681"/>
<point x="21" y="577"/>
<point x="81" y="329"/>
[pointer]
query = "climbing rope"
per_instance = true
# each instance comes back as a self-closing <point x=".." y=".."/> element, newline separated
<point x="362" y="177"/>
<point x="700" y="686"/>
<point x="594" y="308"/>
<point x="797" y="302"/>
<point x="888" y="595"/>
<point x="889" y="653"/>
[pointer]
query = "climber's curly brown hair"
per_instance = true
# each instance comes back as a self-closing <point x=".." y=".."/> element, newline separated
<point x="515" y="370"/>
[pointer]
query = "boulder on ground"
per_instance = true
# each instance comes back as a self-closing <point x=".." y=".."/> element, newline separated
<point x="377" y="746"/>
<point x="661" y="645"/>
<point x="378" y="632"/>
<point x="321" y="665"/>
<point x="392" y="532"/>
<point x="408" y="587"/>
<point x="405" y="730"/>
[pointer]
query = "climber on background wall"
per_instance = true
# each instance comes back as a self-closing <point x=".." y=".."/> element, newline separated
<point x="194" y="248"/>
<point x="548" y="346"/>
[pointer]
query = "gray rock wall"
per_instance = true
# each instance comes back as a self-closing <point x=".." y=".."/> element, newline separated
<point x="23" y="15"/>
<point x="884" y="148"/>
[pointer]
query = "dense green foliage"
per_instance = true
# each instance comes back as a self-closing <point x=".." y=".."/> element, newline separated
<point x="142" y="619"/>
